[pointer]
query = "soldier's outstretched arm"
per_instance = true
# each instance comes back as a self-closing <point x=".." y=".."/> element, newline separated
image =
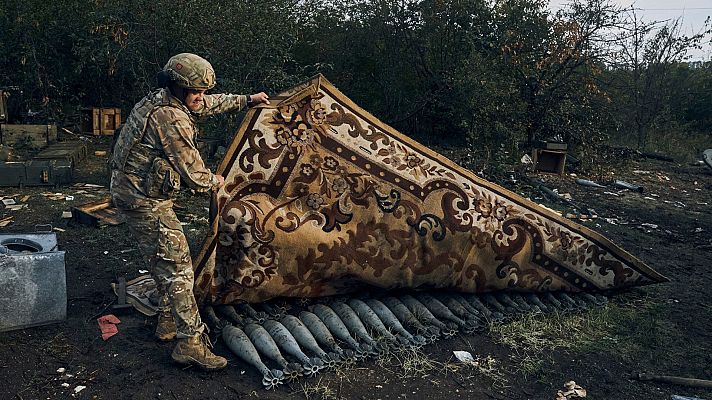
<point x="220" y="103"/>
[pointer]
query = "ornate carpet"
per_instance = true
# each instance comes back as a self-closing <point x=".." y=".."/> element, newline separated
<point x="322" y="198"/>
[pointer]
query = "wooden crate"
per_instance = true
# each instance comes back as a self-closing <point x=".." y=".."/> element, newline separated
<point x="36" y="135"/>
<point x="552" y="161"/>
<point x="101" y="121"/>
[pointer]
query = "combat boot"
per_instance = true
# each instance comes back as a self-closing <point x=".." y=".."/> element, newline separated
<point x="196" y="351"/>
<point x="166" y="327"/>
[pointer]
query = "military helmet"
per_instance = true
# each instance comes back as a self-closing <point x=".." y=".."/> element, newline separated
<point x="190" y="71"/>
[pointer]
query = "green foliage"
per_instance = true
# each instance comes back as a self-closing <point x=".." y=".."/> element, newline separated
<point x="485" y="74"/>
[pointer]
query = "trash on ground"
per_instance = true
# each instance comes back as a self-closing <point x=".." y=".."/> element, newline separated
<point x="648" y="225"/>
<point x="66" y="214"/>
<point x="464" y="356"/>
<point x="8" y="202"/>
<point x="107" y="325"/>
<point x="571" y="391"/>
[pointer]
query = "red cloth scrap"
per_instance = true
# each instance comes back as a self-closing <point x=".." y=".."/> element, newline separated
<point x="107" y="324"/>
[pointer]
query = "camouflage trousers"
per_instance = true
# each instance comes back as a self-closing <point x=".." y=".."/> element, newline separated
<point x="160" y="238"/>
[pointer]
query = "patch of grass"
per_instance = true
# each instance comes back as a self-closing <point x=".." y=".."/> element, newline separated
<point x="318" y="390"/>
<point x="408" y="363"/>
<point x="486" y="366"/>
<point x="632" y="330"/>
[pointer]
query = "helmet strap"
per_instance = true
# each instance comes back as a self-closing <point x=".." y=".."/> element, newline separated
<point x="178" y="92"/>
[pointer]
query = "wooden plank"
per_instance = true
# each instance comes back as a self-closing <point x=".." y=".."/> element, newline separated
<point x="96" y="121"/>
<point x="98" y="213"/>
<point x="36" y="135"/>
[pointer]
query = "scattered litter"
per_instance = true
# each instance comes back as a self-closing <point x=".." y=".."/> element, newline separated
<point x="677" y="204"/>
<point x="107" y="324"/>
<point x="58" y="229"/>
<point x="648" y="225"/>
<point x="106" y="252"/>
<point x="698" y="230"/>
<point x="8" y="202"/>
<point x="464" y="356"/>
<point x="16" y="207"/>
<point x="54" y="196"/>
<point x="79" y="388"/>
<point x="649" y="198"/>
<point x="527" y="160"/>
<point x="65" y="384"/>
<point x="640" y="171"/>
<point x="566" y="196"/>
<point x="612" y="194"/>
<point x="676" y="397"/>
<point x="142" y="271"/>
<point x="100" y="153"/>
<point x="571" y="391"/>
<point x="61" y="370"/>
<point x="66" y="214"/>
<point x="69" y="198"/>
<point x="25" y="198"/>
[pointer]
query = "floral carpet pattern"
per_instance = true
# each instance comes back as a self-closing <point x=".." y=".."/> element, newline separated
<point x="322" y="198"/>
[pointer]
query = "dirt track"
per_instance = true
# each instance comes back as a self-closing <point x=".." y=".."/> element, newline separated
<point x="670" y="330"/>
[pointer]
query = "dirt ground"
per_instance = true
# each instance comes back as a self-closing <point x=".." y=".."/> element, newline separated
<point x="664" y="329"/>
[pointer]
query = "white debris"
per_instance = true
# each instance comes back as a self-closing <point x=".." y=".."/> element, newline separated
<point x="647" y="225"/>
<point x="69" y="198"/>
<point x="464" y="356"/>
<point x="8" y="202"/>
<point x="65" y="384"/>
<point x="106" y="252"/>
<point x="61" y="370"/>
<point x="79" y="388"/>
<point x="66" y="214"/>
<point x="142" y="271"/>
<point x="571" y="391"/>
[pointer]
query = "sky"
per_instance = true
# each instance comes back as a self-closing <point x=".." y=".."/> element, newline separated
<point x="692" y="12"/>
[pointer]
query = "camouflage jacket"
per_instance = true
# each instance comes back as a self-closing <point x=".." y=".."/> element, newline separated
<point x="161" y="126"/>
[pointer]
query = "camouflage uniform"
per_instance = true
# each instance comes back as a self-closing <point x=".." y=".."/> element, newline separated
<point x="154" y="152"/>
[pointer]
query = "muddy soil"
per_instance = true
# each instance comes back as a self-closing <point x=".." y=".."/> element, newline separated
<point x="668" y="226"/>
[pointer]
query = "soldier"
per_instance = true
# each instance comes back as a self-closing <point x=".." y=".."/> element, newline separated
<point x="154" y="151"/>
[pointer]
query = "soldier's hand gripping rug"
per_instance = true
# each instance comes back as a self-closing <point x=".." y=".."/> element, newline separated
<point x="322" y="198"/>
